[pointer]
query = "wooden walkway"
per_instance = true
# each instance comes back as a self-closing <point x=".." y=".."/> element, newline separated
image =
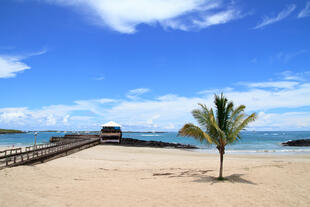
<point x="37" y="153"/>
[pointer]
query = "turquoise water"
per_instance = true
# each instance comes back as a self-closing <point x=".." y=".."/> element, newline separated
<point x="252" y="142"/>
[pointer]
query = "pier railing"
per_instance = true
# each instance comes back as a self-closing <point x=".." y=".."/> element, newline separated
<point x="20" y="156"/>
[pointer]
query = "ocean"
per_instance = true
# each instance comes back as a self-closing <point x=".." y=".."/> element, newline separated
<point x="251" y="142"/>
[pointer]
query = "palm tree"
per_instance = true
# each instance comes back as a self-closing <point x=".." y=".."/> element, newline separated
<point x="220" y="129"/>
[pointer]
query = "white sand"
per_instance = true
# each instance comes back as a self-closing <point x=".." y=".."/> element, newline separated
<point x="129" y="176"/>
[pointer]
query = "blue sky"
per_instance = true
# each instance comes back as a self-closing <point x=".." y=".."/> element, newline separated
<point x="146" y="64"/>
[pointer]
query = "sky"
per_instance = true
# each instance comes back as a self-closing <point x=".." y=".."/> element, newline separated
<point x="146" y="64"/>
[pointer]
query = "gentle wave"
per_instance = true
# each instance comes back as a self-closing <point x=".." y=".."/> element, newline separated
<point x="150" y="135"/>
<point x="256" y="151"/>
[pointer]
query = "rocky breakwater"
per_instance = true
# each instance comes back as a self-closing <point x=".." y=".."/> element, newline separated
<point x="159" y="144"/>
<point x="129" y="142"/>
<point x="297" y="143"/>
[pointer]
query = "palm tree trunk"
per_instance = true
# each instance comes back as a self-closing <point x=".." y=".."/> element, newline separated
<point x="221" y="164"/>
<point x="222" y="152"/>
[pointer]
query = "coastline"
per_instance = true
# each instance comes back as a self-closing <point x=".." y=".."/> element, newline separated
<point x="143" y="176"/>
<point x="252" y="143"/>
<point x="258" y="142"/>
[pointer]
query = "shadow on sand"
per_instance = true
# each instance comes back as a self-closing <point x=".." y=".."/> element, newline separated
<point x="234" y="178"/>
<point x="202" y="177"/>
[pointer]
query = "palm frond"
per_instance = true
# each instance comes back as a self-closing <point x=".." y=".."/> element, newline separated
<point x="228" y="111"/>
<point x="213" y="128"/>
<point x="237" y="111"/>
<point x="191" y="130"/>
<point x="201" y="117"/>
<point x="220" y="104"/>
<point x="241" y="125"/>
<point x="205" y="118"/>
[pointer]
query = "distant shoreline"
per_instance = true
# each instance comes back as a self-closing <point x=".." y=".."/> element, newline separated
<point x="10" y="131"/>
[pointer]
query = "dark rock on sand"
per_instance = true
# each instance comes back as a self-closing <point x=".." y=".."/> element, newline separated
<point x="297" y="143"/>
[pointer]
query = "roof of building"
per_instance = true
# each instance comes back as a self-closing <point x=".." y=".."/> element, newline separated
<point x="111" y="124"/>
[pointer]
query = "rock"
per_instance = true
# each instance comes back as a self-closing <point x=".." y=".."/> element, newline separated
<point x="297" y="143"/>
<point x="126" y="142"/>
<point x="159" y="144"/>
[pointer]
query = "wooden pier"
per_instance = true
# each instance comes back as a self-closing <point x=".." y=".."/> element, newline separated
<point x="42" y="152"/>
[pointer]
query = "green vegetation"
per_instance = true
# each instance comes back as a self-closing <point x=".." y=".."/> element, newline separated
<point x="10" y="131"/>
<point x="220" y="129"/>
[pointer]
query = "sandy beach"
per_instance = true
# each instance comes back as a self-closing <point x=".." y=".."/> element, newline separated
<point x="130" y="176"/>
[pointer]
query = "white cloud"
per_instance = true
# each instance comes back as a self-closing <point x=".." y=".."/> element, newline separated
<point x="291" y="100"/>
<point x="305" y="12"/>
<point x="11" y="65"/>
<point x="65" y="119"/>
<point x="40" y="52"/>
<point x="51" y="120"/>
<point x="289" y="75"/>
<point x="265" y="99"/>
<point x="170" y="126"/>
<point x="56" y="116"/>
<point x="150" y="121"/>
<point x="273" y="84"/>
<point x="284" y="121"/>
<point x="165" y="109"/>
<point x="176" y="109"/>
<point x="93" y="105"/>
<point x="135" y="93"/>
<point x="218" y="18"/>
<point x="125" y="15"/>
<point x="12" y="115"/>
<point x="280" y="16"/>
